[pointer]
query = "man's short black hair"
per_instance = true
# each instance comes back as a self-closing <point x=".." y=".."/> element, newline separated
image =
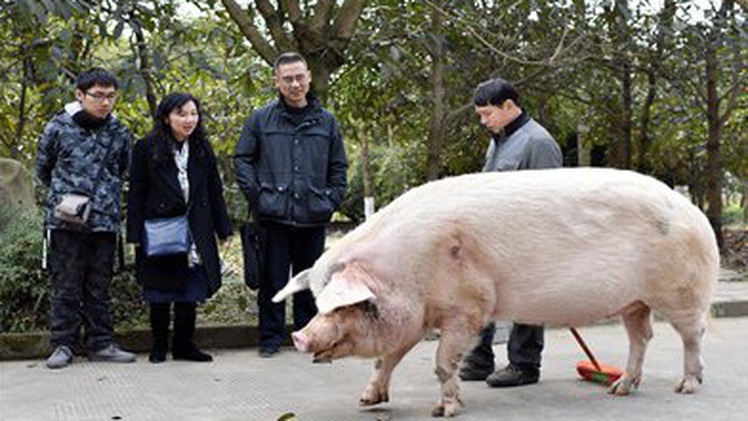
<point x="288" y="58"/>
<point x="95" y="76"/>
<point x="494" y="92"/>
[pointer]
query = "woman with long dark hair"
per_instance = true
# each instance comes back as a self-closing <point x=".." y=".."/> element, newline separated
<point x="174" y="172"/>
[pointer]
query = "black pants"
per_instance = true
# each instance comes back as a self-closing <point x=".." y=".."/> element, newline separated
<point x="287" y="248"/>
<point x="80" y="267"/>
<point x="524" y="348"/>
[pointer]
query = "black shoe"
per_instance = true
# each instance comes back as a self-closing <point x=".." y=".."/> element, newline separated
<point x="472" y="371"/>
<point x="191" y="354"/>
<point x="158" y="354"/>
<point x="511" y="376"/>
<point x="269" y="351"/>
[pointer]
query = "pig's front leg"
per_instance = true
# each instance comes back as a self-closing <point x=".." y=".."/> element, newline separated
<point x="377" y="390"/>
<point x="452" y="346"/>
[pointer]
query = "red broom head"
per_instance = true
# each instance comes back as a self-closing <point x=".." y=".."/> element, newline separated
<point x="606" y="375"/>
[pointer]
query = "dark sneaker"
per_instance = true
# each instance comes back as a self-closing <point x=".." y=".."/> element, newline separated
<point x="60" y="358"/>
<point x="474" y="371"/>
<point x="269" y="352"/>
<point x="157" y="355"/>
<point x="113" y="354"/>
<point x="511" y="376"/>
<point x="191" y="354"/>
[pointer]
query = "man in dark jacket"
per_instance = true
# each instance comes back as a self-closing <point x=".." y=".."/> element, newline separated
<point x="291" y="165"/>
<point x="84" y="150"/>
<point x="518" y="143"/>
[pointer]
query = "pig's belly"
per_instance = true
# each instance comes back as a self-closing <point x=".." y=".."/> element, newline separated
<point x="562" y="312"/>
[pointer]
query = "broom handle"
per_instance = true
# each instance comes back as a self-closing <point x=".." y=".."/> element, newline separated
<point x="586" y="350"/>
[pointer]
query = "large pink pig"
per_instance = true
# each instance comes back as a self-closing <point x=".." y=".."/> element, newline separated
<point x="561" y="247"/>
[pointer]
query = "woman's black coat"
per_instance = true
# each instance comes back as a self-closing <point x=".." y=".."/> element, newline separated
<point x="155" y="193"/>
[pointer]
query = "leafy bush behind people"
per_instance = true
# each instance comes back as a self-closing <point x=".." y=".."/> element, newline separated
<point x="25" y="287"/>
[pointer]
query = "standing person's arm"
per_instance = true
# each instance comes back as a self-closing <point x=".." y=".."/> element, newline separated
<point x="221" y="221"/>
<point x="125" y="156"/>
<point x="46" y="154"/>
<point x="544" y="153"/>
<point x="337" y="168"/>
<point x="245" y="157"/>
<point x="138" y="192"/>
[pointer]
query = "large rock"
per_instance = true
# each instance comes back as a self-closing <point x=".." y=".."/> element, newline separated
<point x="15" y="184"/>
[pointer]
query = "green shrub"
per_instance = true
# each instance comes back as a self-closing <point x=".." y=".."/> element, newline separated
<point x="732" y="214"/>
<point x="24" y="289"/>
<point x="25" y="286"/>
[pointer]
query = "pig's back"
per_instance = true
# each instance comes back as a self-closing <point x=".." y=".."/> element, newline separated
<point x="564" y="246"/>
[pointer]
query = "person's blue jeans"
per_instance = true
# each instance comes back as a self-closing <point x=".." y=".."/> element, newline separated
<point x="287" y="249"/>
<point x="81" y="269"/>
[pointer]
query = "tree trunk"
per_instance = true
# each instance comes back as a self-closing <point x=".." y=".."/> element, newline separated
<point x="664" y="29"/>
<point x="145" y="70"/>
<point x="320" y="78"/>
<point x="713" y="145"/>
<point x="744" y="201"/>
<point x="436" y="124"/>
<point x="715" y="120"/>
<point x="322" y="37"/>
<point x="622" y="62"/>
<point x="21" y="123"/>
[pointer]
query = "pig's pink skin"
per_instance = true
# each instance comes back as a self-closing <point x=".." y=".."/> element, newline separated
<point x="556" y="247"/>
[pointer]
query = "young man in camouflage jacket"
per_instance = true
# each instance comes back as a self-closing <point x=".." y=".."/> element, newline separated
<point x="84" y="150"/>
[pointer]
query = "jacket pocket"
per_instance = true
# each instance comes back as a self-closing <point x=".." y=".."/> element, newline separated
<point x="504" y="164"/>
<point x="272" y="200"/>
<point x="320" y="205"/>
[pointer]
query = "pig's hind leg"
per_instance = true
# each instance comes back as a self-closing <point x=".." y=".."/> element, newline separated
<point x="638" y="322"/>
<point x="691" y="329"/>
<point x="377" y="390"/>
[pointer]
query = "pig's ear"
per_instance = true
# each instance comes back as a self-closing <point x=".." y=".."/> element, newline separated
<point x="345" y="288"/>
<point x="298" y="283"/>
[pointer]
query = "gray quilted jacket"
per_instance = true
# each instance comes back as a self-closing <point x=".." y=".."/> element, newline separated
<point x="69" y="158"/>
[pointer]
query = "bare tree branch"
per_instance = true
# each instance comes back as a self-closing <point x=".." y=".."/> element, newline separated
<point x="345" y="24"/>
<point x="295" y="16"/>
<point x="274" y="21"/>
<point x="321" y="19"/>
<point x="247" y="27"/>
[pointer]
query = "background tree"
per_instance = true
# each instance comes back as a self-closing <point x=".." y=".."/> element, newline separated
<point x="321" y="32"/>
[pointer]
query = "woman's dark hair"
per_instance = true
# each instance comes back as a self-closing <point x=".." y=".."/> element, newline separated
<point x="161" y="134"/>
<point x="495" y="92"/>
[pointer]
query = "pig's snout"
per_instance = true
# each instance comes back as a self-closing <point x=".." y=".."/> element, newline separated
<point x="301" y="341"/>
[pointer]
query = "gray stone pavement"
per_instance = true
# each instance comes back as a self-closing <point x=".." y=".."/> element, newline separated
<point x="240" y="386"/>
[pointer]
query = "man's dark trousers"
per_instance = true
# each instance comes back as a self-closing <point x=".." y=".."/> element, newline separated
<point x="524" y="348"/>
<point x="287" y="247"/>
<point x="81" y="266"/>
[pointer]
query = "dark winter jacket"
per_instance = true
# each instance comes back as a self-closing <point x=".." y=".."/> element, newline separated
<point x="292" y="168"/>
<point x="70" y="157"/>
<point x="155" y="193"/>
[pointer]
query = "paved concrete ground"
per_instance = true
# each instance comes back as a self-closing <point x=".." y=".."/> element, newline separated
<point x="240" y="386"/>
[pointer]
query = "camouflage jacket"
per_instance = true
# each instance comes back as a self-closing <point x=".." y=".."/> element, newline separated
<point x="68" y="160"/>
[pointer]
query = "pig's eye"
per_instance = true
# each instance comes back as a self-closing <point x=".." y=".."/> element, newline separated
<point x="369" y="308"/>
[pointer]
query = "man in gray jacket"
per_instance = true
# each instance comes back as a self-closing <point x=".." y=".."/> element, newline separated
<point x="84" y="150"/>
<point x="518" y="143"/>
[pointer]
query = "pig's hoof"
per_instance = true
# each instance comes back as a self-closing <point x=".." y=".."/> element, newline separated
<point x="449" y="409"/>
<point x="688" y="385"/>
<point x="438" y="410"/>
<point x="623" y="386"/>
<point x="373" y="396"/>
